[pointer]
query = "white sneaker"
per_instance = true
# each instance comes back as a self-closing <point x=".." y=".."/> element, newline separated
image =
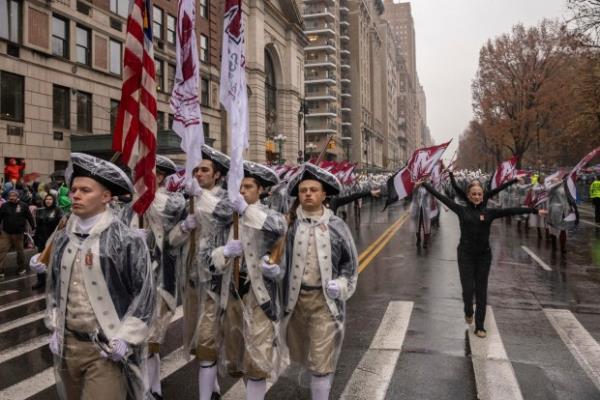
<point x="22" y="272"/>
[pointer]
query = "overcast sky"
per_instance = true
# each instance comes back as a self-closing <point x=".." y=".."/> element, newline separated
<point x="449" y="34"/>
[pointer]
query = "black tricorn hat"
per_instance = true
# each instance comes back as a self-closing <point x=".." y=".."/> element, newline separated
<point x="165" y="165"/>
<point x="264" y="175"/>
<point x="220" y="160"/>
<point x="330" y="183"/>
<point x="102" y="171"/>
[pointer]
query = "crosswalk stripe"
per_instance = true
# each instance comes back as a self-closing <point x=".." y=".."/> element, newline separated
<point x="494" y="374"/>
<point x="23" y="348"/>
<point x="238" y="391"/>
<point x="372" y="375"/>
<point x="22" y="321"/>
<point x="536" y="258"/>
<point x="589" y="223"/>
<point x="578" y="340"/>
<point x="20" y="278"/>
<point x="22" y="302"/>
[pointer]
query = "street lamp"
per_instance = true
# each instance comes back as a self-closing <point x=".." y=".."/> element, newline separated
<point x="280" y="139"/>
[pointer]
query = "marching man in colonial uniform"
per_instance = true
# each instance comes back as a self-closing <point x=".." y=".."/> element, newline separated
<point x="100" y="295"/>
<point x="163" y="214"/>
<point x="321" y="274"/>
<point x="202" y="231"/>
<point x="250" y="294"/>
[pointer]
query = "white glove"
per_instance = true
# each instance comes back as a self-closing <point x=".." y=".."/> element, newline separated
<point x="333" y="289"/>
<point x="192" y="187"/>
<point x="53" y="343"/>
<point x="37" y="266"/>
<point x="118" y="350"/>
<point x="269" y="270"/>
<point x="239" y="204"/>
<point x="189" y="223"/>
<point x="233" y="248"/>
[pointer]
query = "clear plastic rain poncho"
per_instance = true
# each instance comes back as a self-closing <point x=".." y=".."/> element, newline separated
<point x="521" y="191"/>
<point x="253" y="344"/>
<point x="561" y="214"/>
<point x="318" y="250"/>
<point x="198" y="284"/>
<point x="100" y="288"/>
<point x="321" y="272"/>
<point x="420" y="210"/>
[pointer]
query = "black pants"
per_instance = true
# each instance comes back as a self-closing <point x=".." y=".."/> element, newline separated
<point x="596" y="203"/>
<point x="474" y="268"/>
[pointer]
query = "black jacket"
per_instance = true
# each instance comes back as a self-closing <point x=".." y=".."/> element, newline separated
<point x="14" y="216"/>
<point x="476" y="221"/>
<point x="46" y="220"/>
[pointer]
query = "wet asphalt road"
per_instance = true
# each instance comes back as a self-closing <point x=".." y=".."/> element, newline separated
<point x="435" y="361"/>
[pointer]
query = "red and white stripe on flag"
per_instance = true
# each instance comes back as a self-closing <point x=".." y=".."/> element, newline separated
<point x="420" y="165"/>
<point x="504" y="172"/>
<point x="135" y="128"/>
<point x="572" y="176"/>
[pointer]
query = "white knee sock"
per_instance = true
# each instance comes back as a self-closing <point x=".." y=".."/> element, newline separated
<point x="206" y="379"/>
<point x="154" y="374"/>
<point x="256" y="390"/>
<point x="320" y="387"/>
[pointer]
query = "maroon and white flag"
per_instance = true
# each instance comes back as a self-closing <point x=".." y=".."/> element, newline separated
<point x="187" y="118"/>
<point x="135" y="129"/>
<point x="504" y="172"/>
<point x="419" y="166"/>
<point x="233" y="92"/>
<point x="572" y="176"/>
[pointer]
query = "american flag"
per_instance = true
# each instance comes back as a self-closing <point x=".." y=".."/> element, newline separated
<point x="135" y="129"/>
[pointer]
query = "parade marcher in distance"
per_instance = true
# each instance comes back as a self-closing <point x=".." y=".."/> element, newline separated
<point x="252" y="306"/>
<point x="595" y="196"/>
<point x="46" y="220"/>
<point x="100" y="294"/>
<point x="198" y="235"/>
<point x="164" y="213"/>
<point x="474" y="253"/>
<point x="14" y="216"/>
<point x="562" y="214"/>
<point x="321" y="273"/>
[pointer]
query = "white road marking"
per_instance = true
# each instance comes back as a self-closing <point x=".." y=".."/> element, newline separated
<point x="513" y="263"/>
<point x="494" y="374"/>
<point x="7" y="292"/>
<point x="578" y="340"/>
<point x="19" y="303"/>
<point x="238" y="391"/>
<point x="17" y="279"/>
<point x="22" y="321"/>
<point x="589" y="223"/>
<point x="536" y="258"/>
<point x="373" y="373"/>
<point x="23" y="348"/>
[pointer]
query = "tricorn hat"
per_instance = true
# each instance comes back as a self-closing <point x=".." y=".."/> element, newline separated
<point x="220" y="160"/>
<point x="165" y="165"/>
<point x="102" y="171"/>
<point x="264" y="175"/>
<point x="330" y="183"/>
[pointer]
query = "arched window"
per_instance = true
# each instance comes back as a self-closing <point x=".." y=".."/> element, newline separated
<point x="270" y="87"/>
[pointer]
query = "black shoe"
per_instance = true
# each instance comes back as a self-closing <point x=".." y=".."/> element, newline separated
<point x="156" y="396"/>
<point x="39" y="285"/>
<point x="215" y="396"/>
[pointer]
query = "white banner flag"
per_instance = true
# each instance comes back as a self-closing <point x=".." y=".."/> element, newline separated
<point x="187" y="119"/>
<point x="233" y="92"/>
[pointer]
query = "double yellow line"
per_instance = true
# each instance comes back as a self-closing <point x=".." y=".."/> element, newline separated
<point x="365" y="258"/>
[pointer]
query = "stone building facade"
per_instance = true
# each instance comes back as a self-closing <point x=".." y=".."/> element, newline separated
<point x="61" y="76"/>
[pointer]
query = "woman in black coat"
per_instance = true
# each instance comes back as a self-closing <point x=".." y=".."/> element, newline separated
<point x="474" y="253"/>
<point x="47" y="218"/>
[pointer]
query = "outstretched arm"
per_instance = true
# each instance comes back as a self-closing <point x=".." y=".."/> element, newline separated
<point x="492" y="192"/>
<point x="459" y="192"/>
<point x="506" y="212"/>
<point x="444" y="199"/>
